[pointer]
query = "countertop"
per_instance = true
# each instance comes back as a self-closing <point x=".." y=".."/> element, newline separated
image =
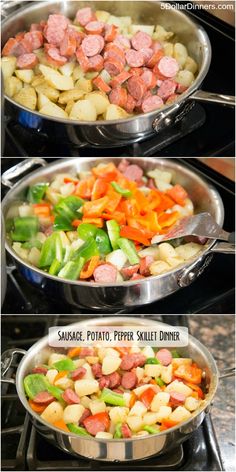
<point x="217" y="333"/>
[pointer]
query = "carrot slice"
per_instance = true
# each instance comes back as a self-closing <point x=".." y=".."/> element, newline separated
<point x="73" y="352"/>
<point x="61" y="425"/>
<point x="42" y="209"/>
<point x="168" y="423"/>
<point x="61" y="374"/>
<point x="37" y="407"/>
<point x="88" y="271"/>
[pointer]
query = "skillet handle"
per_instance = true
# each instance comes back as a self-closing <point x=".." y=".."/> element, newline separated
<point x="6" y="363"/>
<point x="224" y="247"/>
<point x="20" y="169"/>
<point x="228" y="372"/>
<point x="210" y="97"/>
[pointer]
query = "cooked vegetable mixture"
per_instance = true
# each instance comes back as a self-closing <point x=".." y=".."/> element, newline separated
<point x="115" y="392"/>
<point x="98" y="225"/>
<point x="97" y="67"/>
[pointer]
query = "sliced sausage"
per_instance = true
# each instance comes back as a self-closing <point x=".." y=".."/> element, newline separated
<point x="13" y="48"/>
<point x="94" y="424"/>
<point x="110" y="32"/>
<point x="36" y="27"/>
<point x="156" y="57"/>
<point x="127" y="272"/>
<point x="156" y="46"/>
<point x="58" y="21"/>
<point x="44" y="398"/>
<point x="113" y="66"/>
<point x="125" y="431"/>
<point x="104" y="382"/>
<point x="97" y="370"/>
<point x="141" y="40"/>
<point x="92" y="45"/>
<point x="120" y="79"/>
<point x="130" y="104"/>
<point x="171" y="99"/>
<point x="84" y="16"/>
<point x="127" y="362"/>
<point x="177" y="398"/>
<point x="78" y="35"/>
<point x="118" y="96"/>
<point x="145" y="263"/>
<point x="134" y="58"/>
<point x="133" y="172"/>
<point x="139" y="359"/>
<point x="181" y="88"/>
<point x="137" y="71"/>
<point x="168" y="66"/>
<point x="86" y="351"/>
<point x="136" y="87"/>
<point x="129" y="380"/>
<point x="114" y="380"/>
<point x="70" y="396"/>
<point x="152" y="103"/>
<point x="82" y="59"/>
<point x="149" y="78"/>
<point x="166" y="89"/>
<point x="35" y="38"/>
<point x="68" y="45"/>
<point x="122" y="42"/>
<point x="27" y="61"/>
<point x="96" y="63"/>
<point x="39" y="370"/>
<point x="78" y="373"/>
<point x="147" y="54"/>
<point x="54" y="36"/>
<point x="123" y="165"/>
<point x="85" y="415"/>
<point x="54" y="57"/>
<point x="137" y="277"/>
<point x="95" y="27"/>
<point x="101" y="84"/>
<point x="164" y="356"/>
<point x="105" y="273"/>
<point x="151" y="184"/>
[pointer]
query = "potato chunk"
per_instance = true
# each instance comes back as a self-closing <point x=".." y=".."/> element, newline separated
<point x="12" y="86"/>
<point x="74" y="94"/>
<point x="110" y="364"/>
<point x="52" y="109"/>
<point x="27" y="97"/>
<point x="73" y="413"/>
<point x="99" y="100"/>
<point x="180" y="414"/>
<point x="8" y="65"/>
<point x="55" y="79"/>
<point x="26" y="75"/>
<point x="86" y="387"/>
<point x="53" y="412"/>
<point x="114" y="112"/>
<point x="83" y="110"/>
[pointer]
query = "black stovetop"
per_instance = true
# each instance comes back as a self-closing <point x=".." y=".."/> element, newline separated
<point x="24" y="449"/>
<point x="212" y="292"/>
<point x="208" y="130"/>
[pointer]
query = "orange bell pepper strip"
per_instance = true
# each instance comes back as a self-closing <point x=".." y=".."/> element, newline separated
<point x="189" y="373"/>
<point x="42" y="209"/>
<point x="84" y="187"/>
<point x="196" y="390"/>
<point x="61" y="425"/>
<point x="168" y="219"/>
<point x="95" y="208"/>
<point x="141" y="224"/>
<point x="147" y="396"/>
<point x="94" y="221"/>
<point x="73" y="352"/>
<point x="165" y="204"/>
<point x="168" y="423"/>
<point x="134" y="234"/>
<point x="60" y="375"/>
<point x="178" y="194"/>
<point x="101" y="171"/>
<point x="116" y="215"/>
<point x="133" y="399"/>
<point x="69" y="180"/>
<point x="89" y="268"/>
<point x="37" y="407"/>
<point x="76" y="223"/>
<point x="99" y="189"/>
<point x="114" y="199"/>
<point x="141" y="201"/>
<point x="128" y="207"/>
<point x="123" y="351"/>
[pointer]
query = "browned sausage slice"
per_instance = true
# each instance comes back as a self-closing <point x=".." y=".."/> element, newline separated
<point x="105" y="273"/>
<point x="27" y="61"/>
<point x="141" y="40"/>
<point x="44" y="398"/>
<point x="70" y="397"/>
<point x="129" y="380"/>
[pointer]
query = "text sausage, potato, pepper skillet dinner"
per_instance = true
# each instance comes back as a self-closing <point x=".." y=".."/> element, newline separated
<point x="97" y="67"/>
<point x="115" y="392"/>
<point x="98" y="225"/>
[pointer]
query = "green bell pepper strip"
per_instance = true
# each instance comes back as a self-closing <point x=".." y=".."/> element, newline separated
<point x="56" y="392"/>
<point x="64" y="364"/>
<point x="151" y="429"/>
<point x="159" y="381"/>
<point x="52" y="249"/>
<point x="87" y="250"/>
<point x="122" y="191"/>
<point x="152" y="360"/>
<point x="86" y="230"/>
<point x="113" y="232"/>
<point x="25" y="228"/>
<point x="108" y="396"/>
<point x="68" y="207"/>
<point x="72" y="269"/>
<point x="175" y="354"/>
<point x="129" y="250"/>
<point x="34" y="243"/>
<point x="118" y="433"/>
<point x="77" y="429"/>
<point x="103" y="242"/>
<point x="34" y="384"/>
<point x="54" y="267"/>
<point x="36" y="192"/>
<point x="62" y="224"/>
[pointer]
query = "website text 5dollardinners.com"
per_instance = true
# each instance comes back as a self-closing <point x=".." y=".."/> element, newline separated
<point x="200" y="5"/>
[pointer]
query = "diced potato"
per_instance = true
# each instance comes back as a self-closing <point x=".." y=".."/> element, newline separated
<point x="86" y="387"/>
<point x="174" y="261"/>
<point x="99" y="100"/>
<point x="117" y="258"/>
<point x="97" y="406"/>
<point x="55" y="79"/>
<point x="111" y="352"/>
<point x="25" y="210"/>
<point x="53" y="412"/>
<point x="135" y="423"/>
<point x="69" y="95"/>
<point x="176" y="362"/>
<point x="85" y="401"/>
<point x="92" y="359"/>
<point x="169" y="49"/>
<point x="8" y="65"/>
<point x="127" y="397"/>
<point x="149" y="29"/>
<point x="41" y="237"/>
<point x="73" y="413"/>
<point x="179" y="414"/>
<point x="118" y="414"/>
<point x="162" y="186"/>
<point x="26" y="75"/>
<point x="110" y="364"/>
<point x="150" y="251"/>
<point x="104" y="435"/>
<point x="54" y="357"/>
<point x="12" y="86"/>
<point x="83" y="110"/>
<point x="159" y="267"/>
<point x="64" y="383"/>
<point x="114" y="112"/>
<point x="189" y="250"/>
<point x="148" y="352"/>
<point x="191" y="65"/>
<point x="135" y="349"/>
<point x="180" y="54"/>
<point x="160" y="399"/>
<point x="51" y="374"/>
<point x="139" y="390"/>
<point x="89" y="373"/>
<point x="78" y="73"/>
<point x="191" y="403"/>
<point x="150" y="418"/>
<point x="185" y="78"/>
<point x="102" y="15"/>
<point x="161" y="34"/>
<point x="38" y="80"/>
<point x="46" y="90"/>
<point x="166" y="373"/>
<point x="180" y="387"/>
<point x="163" y="412"/>
<point x="79" y="362"/>
<point x="140" y="373"/>
<point x="22" y="252"/>
<point x="165" y="251"/>
<point x="141" y="433"/>
<point x="34" y="256"/>
<point x="139" y="409"/>
<point x="67" y="189"/>
<point x="67" y="69"/>
<point x="84" y="84"/>
<point x="52" y="109"/>
<point x="26" y="97"/>
<point x="69" y="106"/>
<point x="42" y="100"/>
<point x="159" y="174"/>
<point x="153" y="370"/>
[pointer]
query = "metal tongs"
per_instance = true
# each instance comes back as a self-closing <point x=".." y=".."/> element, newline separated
<point x="202" y="225"/>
